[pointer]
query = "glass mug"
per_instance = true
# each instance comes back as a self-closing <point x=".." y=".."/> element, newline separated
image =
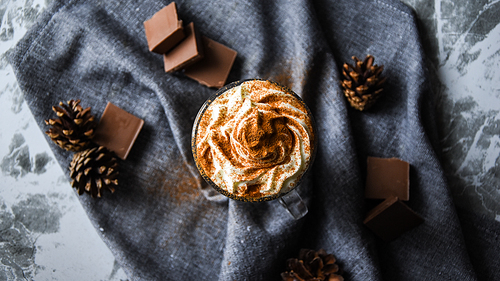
<point x="261" y="151"/>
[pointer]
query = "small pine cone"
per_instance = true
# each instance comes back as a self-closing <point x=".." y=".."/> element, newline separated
<point x="363" y="82"/>
<point x="74" y="128"/>
<point x="312" y="266"/>
<point x="93" y="170"/>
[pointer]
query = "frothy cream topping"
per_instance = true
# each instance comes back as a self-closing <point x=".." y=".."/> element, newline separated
<point x="255" y="140"/>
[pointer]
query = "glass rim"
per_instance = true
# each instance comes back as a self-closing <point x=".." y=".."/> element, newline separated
<point x="194" y="132"/>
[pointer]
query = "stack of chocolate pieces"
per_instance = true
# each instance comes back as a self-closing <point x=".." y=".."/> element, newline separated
<point x="183" y="49"/>
<point x="388" y="179"/>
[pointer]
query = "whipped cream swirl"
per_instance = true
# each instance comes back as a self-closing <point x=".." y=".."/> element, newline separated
<point x="255" y="140"/>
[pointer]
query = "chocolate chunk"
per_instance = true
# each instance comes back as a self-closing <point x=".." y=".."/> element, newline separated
<point x="189" y="51"/>
<point x="164" y="30"/>
<point x="213" y="69"/>
<point x="117" y="130"/>
<point x="391" y="219"/>
<point x="387" y="177"/>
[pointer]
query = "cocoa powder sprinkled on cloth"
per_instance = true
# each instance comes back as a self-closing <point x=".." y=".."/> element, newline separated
<point x="176" y="183"/>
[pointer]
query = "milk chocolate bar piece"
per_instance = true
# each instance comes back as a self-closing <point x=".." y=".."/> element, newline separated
<point x="189" y="51"/>
<point x="117" y="130"/>
<point x="164" y="30"/>
<point x="213" y="69"/>
<point x="387" y="177"/>
<point x="391" y="219"/>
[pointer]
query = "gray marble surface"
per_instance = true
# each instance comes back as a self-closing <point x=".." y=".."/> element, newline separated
<point x="45" y="234"/>
<point x="462" y="41"/>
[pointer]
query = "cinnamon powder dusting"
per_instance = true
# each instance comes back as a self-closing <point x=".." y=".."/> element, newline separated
<point x="259" y="135"/>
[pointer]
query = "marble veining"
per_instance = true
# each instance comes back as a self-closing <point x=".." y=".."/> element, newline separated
<point x="42" y="223"/>
<point x="18" y="161"/>
<point x="468" y="68"/>
<point x="44" y="231"/>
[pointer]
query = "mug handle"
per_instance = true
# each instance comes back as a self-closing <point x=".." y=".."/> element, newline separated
<point x="294" y="204"/>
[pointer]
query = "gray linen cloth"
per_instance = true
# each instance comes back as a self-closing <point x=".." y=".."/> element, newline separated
<point x="165" y="223"/>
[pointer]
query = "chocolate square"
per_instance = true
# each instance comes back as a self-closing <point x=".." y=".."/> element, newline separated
<point x="117" y="130"/>
<point x="213" y="69"/>
<point x="387" y="177"/>
<point x="164" y="30"/>
<point x="391" y="218"/>
<point x="187" y="52"/>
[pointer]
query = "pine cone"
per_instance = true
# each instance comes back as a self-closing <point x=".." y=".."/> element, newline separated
<point x="94" y="169"/>
<point x="312" y="266"/>
<point x="363" y="83"/>
<point x="74" y="128"/>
